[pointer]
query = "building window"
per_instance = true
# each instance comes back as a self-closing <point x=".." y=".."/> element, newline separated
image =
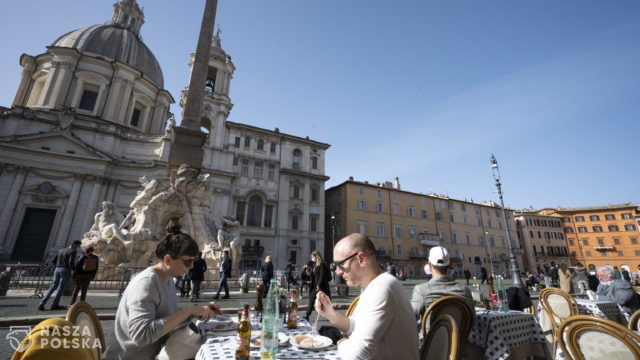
<point x="260" y="144"/>
<point x="637" y="252"/>
<point x="254" y="213"/>
<point x="587" y="253"/>
<point x="297" y="155"/>
<point x="399" y="249"/>
<point x="314" y="194"/>
<point x="89" y="97"/>
<point x="626" y="216"/>
<point x="600" y="241"/>
<point x="236" y="142"/>
<point x="463" y="207"/>
<point x="594" y="218"/>
<point x="394" y="195"/>
<point x="294" y="222"/>
<point x="380" y="230"/>
<point x="582" y="229"/>
<point x="412" y="232"/>
<point x="396" y="209"/>
<point x="441" y="235"/>
<point x="571" y="242"/>
<point x="397" y="231"/>
<point x="423" y="214"/>
<point x="313" y="223"/>
<point x="438" y="215"/>
<point x="634" y="241"/>
<point x="410" y="211"/>
<point x="244" y="170"/>
<point x="135" y="115"/>
<point x="585" y="242"/>
<point x="613" y="228"/>
<point x="467" y="238"/>
<point x="579" y="218"/>
<point x="616" y="241"/>
<point x="362" y="205"/>
<point x="610" y="217"/>
<point x="314" y="162"/>
<point x="380" y="207"/>
<point x="597" y="228"/>
<point x="454" y="237"/>
<point x="247" y="142"/>
<point x="361" y="189"/>
<point x="240" y="212"/>
<point x="630" y="227"/>
<point x="604" y="253"/>
<point x="379" y="193"/>
<point x="362" y="227"/>
<point x="257" y="169"/>
<point x="268" y="214"/>
<point x="272" y="171"/>
<point x="295" y="191"/>
<point x="568" y="230"/>
<point x="235" y="161"/>
<point x="273" y="147"/>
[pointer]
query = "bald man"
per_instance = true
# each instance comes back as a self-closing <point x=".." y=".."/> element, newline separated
<point x="383" y="325"/>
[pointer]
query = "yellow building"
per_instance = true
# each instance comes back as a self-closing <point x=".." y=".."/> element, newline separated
<point x="601" y="235"/>
<point x="543" y="239"/>
<point x="404" y="225"/>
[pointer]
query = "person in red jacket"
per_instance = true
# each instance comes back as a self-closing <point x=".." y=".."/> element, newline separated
<point x="86" y="269"/>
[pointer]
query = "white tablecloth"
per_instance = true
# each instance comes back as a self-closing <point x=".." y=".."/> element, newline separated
<point x="498" y="333"/>
<point x="606" y="309"/>
<point x="222" y="346"/>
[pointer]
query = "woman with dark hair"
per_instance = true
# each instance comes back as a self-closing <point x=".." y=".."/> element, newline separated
<point x="148" y="310"/>
<point x="319" y="280"/>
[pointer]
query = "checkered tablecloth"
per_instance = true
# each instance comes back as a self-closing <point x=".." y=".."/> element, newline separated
<point x="222" y="346"/>
<point x="606" y="309"/>
<point x="498" y="333"/>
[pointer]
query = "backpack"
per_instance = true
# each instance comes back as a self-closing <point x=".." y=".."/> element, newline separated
<point x="90" y="264"/>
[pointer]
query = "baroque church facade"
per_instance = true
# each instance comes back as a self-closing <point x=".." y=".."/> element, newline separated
<point x="91" y="117"/>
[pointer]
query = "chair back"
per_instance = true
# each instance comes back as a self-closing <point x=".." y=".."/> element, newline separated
<point x="558" y="304"/>
<point x="352" y="306"/>
<point x="585" y="337"/>
<point x="443" y="340"/>
<point x="457" y="308"/>
<point x="82" y="314"/>
<point x="633" y="321"/>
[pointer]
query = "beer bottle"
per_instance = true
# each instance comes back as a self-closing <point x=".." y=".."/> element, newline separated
<point x="292" y="312"/>
<point x="243" y="336"/>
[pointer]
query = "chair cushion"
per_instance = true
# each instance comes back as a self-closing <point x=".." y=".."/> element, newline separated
<point x="597" y="345"/>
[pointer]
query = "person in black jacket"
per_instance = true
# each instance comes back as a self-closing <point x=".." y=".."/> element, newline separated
<point x="86" y="269"/>
<point x="319" y="281"/>
<point x="225" y="273"/>
<point x="267" y="274"/>
<point x="65" y="262"/>
<point x="197" y="275"/>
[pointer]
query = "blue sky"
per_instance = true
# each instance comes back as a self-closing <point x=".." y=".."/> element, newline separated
<point x="420" y="89"/>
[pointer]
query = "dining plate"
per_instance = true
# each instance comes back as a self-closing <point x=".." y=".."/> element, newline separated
<point x="218" y="323"/>
<point x="255" y="340"/>
<point x="309" y="342"/>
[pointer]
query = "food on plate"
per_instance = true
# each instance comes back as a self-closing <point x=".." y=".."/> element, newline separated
<point x="255" y="340"/>
<point x="304" y="340"/>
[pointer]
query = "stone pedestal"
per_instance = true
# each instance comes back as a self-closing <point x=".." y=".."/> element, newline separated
<point x="186" y="147"/>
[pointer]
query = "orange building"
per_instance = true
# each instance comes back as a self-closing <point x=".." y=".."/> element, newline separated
<point x="601" y="235"/>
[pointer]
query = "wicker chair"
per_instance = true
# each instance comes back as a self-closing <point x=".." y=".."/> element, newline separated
<point x="82" y="314"/>
<point x="458" y="308"/>
<point x="634" y="321"/>
<point x="352" y="306"/>
<point x="585" y="337"/>
<point x="558" y="305"/>
<point x="443" y="340"/>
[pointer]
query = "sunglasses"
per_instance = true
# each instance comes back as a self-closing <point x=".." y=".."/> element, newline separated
<point x="187" y="262"/>
<point x="340" y="264"/>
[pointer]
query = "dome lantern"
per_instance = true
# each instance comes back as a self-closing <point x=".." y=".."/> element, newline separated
<point x="127" y="14"/>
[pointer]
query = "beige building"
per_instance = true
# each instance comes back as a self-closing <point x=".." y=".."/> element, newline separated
<point x="543" y="239"/>
<point x="404" y="225"/>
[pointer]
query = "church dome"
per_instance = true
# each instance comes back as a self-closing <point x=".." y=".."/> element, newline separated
<point x="115" y="42"/>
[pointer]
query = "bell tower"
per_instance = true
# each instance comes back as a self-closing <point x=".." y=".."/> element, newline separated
<point x="216" y="104"/>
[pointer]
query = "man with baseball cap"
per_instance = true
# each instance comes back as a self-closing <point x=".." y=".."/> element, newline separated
<point x="440" y="284"/>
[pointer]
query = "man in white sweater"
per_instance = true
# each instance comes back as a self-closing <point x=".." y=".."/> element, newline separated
<point x="382" y="325"/>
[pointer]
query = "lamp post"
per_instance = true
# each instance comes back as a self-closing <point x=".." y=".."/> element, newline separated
<point x="488" y="246"/>
<point x="333" y="233"/>
<point x="515" y="271"/>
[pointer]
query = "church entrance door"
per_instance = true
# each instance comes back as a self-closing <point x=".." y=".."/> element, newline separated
<point x="34" y="235"/>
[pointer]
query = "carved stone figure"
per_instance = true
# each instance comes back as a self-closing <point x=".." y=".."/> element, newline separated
<point x="229" y="236"/>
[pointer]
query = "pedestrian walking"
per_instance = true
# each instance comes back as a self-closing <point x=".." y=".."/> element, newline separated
<point x="484" y="275"/>
<point x="319" y="281"/>
<point x="85" y="271"/>
<point x="197" y="276"/>
<point x="291" y="280"/>
<point x="225" y="273"/>
<point x="65" y="262"/>
<point x="467" y="275"/>
<point x="266" y="271"/>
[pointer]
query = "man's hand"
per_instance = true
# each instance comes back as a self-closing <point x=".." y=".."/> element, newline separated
<point x="215" y="308"/>
<point x="203" y="312"/>
<point x="324" y="306"/>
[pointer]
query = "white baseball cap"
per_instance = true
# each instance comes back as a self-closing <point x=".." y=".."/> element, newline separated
<point x="439" y="256"/>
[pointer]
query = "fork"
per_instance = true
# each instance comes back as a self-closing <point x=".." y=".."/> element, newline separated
<point x="314" y="327"/>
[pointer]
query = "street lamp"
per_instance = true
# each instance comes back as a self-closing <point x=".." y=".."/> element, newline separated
<point x="333" y="233"/>
<point x="515" y="271"/>
<point x="487" y="245"/>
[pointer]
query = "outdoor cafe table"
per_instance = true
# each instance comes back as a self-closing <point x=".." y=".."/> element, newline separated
<point x="499" y="336"/>
<point x="222" y="346"/>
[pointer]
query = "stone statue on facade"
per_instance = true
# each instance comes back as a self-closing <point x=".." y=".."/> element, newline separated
<point x="229" y="237"/>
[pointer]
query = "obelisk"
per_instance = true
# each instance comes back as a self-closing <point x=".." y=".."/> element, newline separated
<point x="187" y="139"/>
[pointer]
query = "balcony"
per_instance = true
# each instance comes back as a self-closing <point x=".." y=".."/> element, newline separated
<point x="604" y="248"/>
<point x="252" y="250"/>
<point x="430" y="239"/>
